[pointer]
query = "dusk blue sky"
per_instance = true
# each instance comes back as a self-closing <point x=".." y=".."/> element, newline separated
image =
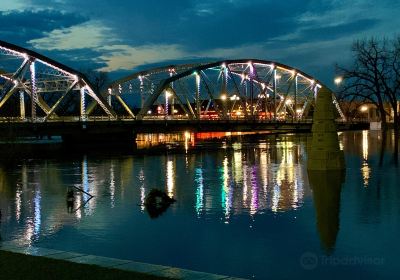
<point x="124" y="36"/>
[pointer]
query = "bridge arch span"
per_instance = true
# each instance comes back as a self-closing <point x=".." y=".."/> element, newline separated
<point x="227" y="89"/>
<point x="29" y="79"/>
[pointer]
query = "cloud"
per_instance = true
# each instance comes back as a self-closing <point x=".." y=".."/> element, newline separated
<point x="90" y="34"/>
<point x="9" y="5"/>
<point x="341" y="30"/>
<point x="116" y="35"/>
<point x="124" y="57"/>
<point x="25" y="25"/>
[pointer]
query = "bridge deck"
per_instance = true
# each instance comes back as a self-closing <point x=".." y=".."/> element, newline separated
<point x="102" y="126"/>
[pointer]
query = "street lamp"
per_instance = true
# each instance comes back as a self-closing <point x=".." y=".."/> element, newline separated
<point x="338" y="80"/>
<point x="364" y="111"/>
<point x="223" y="99"/>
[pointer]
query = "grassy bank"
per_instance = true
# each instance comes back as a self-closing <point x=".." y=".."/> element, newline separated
<point x="19" y="266"/>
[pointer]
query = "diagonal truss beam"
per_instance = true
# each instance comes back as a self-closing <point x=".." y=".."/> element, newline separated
<point x="52" y="109"/>
<point x="13" y="81"/>
<point x="126" y="107"/>
<point x="171" y="90"/>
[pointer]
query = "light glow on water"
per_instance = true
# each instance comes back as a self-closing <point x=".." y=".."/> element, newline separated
<point x="199" y="191"/>
<point x="252" y="203"/>
<point x="142" y="189"/>
<point x="365" y="169"/>
<point x="365" y="144"/>
<point x="170" y="178"/>
<point x="37" y="218"/>
<point x="225" y="189"/>
<point x="112" y="185"/>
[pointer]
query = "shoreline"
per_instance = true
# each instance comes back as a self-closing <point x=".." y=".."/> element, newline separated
<point x="56" y="264"/>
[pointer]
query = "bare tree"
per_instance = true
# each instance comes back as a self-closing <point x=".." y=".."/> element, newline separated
<point x="98" y="79"/>
<point x="375" y="78"/>
<point x="363" y="81"/>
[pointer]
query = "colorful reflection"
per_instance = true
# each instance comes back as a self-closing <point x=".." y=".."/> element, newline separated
<point x="142" y="189"/>
<point x="365" y="169"/>
<point x="236" y="179"/>
<point x="199" y="191"/>
<point x="170" y="177"/>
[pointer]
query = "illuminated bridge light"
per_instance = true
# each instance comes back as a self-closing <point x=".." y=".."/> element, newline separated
<point x="150" y="92"/>
<point x="46" y="76"/>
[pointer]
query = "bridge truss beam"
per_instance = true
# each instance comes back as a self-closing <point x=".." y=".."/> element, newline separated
<point x="231" y="89"/>
<point x="31" y="80"/>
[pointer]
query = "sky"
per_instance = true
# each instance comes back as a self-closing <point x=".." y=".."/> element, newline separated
<point x="122" y="36"/>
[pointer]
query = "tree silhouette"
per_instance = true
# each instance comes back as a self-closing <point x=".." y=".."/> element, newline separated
<point x="374" y="76"/>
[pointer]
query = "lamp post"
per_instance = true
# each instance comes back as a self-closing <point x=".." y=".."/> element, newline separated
<point x="223" y="99"/>
<point x="338" y="81"/>
<point x="364" y="111"/>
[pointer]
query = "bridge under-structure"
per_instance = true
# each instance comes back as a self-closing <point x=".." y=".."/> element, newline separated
<point x="39" y="96"/>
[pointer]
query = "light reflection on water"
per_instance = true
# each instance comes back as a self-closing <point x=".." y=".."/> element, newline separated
<point x="259" y="185"/>
<point x="248" y="179"/>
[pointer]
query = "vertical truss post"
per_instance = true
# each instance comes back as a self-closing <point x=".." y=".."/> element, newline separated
<point x="198" y="105"/>
<point x="172" y="98"/>
<point x="109" y="97"/>
<point x="245" y="95"/>
<point x="251" y="75"/>
<point x="22" y="105"/>
<point x="295" y="96"/>
<point x="141" y="91"/>
<point x="315" y="92"/>
<point x="265" y="90"/>
<point x="223" y="94"/>
<point x="83" y="107"/>
<point x="251" y="96"/>
<point x="172" y="106"/>
<point x="166" y="103"/>
<point x="274" y="89"/>
<point x="34" y="97"/>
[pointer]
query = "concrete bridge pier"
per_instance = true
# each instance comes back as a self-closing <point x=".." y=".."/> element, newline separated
<point x="326" y="170"/>
<point x="324" y="153"/>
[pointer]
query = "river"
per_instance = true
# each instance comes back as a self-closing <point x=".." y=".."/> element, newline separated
<point x="245" y="206"/>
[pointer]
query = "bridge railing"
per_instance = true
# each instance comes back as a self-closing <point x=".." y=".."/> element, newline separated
<point x="77" y="119"/>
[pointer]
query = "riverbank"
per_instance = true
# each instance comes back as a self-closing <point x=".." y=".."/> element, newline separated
<point x="20" y="266"/>
<point x="21" y="262"/>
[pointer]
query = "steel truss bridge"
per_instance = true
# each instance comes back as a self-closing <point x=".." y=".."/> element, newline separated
<point x="231" y="89"/>
<point x="36" y="90"/>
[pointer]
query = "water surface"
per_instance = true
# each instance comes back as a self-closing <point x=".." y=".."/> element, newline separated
<point x="245" y="207"/>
